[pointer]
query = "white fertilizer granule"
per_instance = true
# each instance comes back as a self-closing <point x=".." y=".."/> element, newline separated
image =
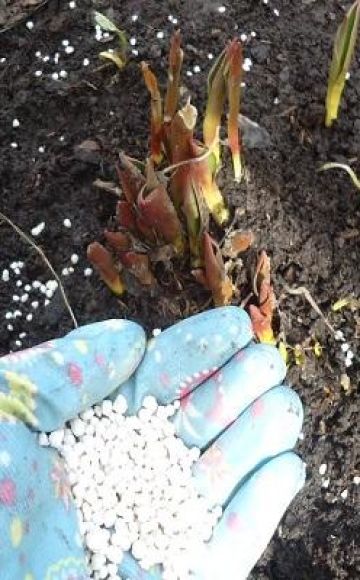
<point x="133" y="486"/>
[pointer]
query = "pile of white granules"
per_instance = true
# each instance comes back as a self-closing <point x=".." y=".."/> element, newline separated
<point x="134" y="489"/>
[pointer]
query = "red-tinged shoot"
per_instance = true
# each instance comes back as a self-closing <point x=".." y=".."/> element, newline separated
<point x="213" y="276"/>
<point x="156" y="113"/>
<point x="170" y="199"/>
<point x="176" y="57"/>
<point x="103" y="262"/>
<point x="158" y="211"/>
<point x="262" y="313"/>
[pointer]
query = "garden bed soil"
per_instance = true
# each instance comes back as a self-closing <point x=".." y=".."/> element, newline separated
<point x="307" y="221"/>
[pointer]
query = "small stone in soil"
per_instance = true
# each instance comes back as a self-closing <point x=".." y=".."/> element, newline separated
<point x="322" y="469"/>
<point x="36" y="231"/>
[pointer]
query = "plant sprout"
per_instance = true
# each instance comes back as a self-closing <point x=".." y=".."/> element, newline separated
<point x="343" y="51"/>
<point x="117" y="56"/>
<point x="171" y="200"/>
<point x="344" y="167"/>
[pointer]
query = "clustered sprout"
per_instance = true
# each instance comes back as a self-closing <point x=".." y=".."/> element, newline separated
<point x="117" y="56"/>
<point x="170" y="199"/>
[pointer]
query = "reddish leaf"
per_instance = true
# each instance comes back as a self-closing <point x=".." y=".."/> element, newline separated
<point x="158" y="211"/>
<point x="148" y="232"/>
<point x="119" y="241"/>
<point x="131" y="178"/>
<point x="200" y="277"/>
<point x="262" y="272"/>
<point x="261" y="325"/>
<point x="156" y="112"/>
<point x="262" y="315"/>
<point x="139" y="266"/>
<point x="175" y="62"/>
<point x="216" y="278"/>
<point x="102" y="260"/>
<point x="267" y="300"/>
<point x="125" y="215"/>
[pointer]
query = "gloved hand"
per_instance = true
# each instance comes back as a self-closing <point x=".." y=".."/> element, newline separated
<point x="251" y="423"/>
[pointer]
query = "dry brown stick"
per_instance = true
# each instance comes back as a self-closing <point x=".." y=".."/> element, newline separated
<point x="302" y="291"/>
<point x="31" y="242"/>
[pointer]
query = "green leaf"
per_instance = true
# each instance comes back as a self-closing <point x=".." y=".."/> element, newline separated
<point x="115" y="57"/>
<point x="106" y="24"/>
<point x="343" y="51"/>
<point x="345" y="40"/>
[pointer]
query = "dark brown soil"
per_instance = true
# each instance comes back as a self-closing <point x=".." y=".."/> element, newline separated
<point x="308" y="222"/>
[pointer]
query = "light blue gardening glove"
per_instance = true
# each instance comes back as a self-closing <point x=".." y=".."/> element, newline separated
<point x="230" y="407"/>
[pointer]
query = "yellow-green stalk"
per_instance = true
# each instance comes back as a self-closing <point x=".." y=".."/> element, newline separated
<point x="235" y="59"/>
<point x="344" y="46"/>
<point x="215" y="104"/>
